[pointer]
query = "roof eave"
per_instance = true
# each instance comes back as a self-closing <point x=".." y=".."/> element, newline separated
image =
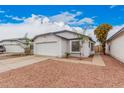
<point x="116" y="34"/>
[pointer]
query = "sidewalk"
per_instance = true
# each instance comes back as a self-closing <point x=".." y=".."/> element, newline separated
<point x="97" y="60"/>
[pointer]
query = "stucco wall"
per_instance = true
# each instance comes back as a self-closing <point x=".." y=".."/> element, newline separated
<point x="86" y="49"/>
<point x="117" y="48"/>
<point x="12" y="47"/>
<point x="64" y="46"/>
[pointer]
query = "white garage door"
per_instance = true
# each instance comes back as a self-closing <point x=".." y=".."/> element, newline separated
<point x="47" y="49"/>
<point x="14" y="48"/>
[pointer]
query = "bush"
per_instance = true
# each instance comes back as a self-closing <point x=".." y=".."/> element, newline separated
<point x="28" y="51"/>
<point x="67" y="54"/>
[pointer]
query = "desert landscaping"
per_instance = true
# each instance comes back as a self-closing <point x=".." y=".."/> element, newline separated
<point x="52" y="73"/>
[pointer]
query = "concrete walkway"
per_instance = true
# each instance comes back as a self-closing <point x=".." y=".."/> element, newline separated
<point x="72" y="61"/>
<point x="8" y="64"/>
<point x="97" y="60"/>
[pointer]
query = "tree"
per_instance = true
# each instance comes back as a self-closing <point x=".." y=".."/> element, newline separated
<point x="101" y="33"/>
<point x="83" y="36"/>
<point x="26" y="44"/>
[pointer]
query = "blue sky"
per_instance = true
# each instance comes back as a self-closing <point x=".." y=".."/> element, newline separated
<point x="36" y="19"/>
<point x="103" y="14"/>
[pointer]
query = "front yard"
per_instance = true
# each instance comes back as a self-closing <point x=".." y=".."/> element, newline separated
<point x="51" y="73"/>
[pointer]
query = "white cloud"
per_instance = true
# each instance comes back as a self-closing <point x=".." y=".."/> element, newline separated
<point x="37" y="24"/>
<point x="114" y="30"/>
<point x="15" y="17"/>
<point x="79" y="29"/>
<point x="94" y="16"/>
<point x="113" y="6"/>
<point x="70" y="18"/>
<point x="32" y="26"/>
<point x="8" y="16"/>
<point x="78" y="13"/>
<point x="65" y="17"/>
<point x="2" y="11"/>
<point x="86" y="20"/>
<point x="34" y="19"/>
<point x="90" y="33"/>
<point x="18" y="19"/>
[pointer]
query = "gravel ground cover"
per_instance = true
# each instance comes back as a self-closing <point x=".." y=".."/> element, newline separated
<point x="52" y="73"/>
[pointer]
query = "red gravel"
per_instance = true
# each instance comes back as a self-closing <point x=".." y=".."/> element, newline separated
<point x="52" y="73"/>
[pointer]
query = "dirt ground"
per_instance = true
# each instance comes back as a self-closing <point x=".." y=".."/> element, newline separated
<point x="52" y="73"/>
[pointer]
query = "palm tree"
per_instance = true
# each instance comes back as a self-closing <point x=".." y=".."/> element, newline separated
<point x="83" y="37"/>
<point x="26" y="44"/>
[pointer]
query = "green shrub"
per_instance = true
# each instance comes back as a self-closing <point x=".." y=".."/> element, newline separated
<point x="67" y="54"/>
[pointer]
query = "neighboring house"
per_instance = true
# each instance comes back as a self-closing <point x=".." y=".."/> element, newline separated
<point x="115" y="45"/>
<point x="13" y="45"/>
<point x="58" y="43"/>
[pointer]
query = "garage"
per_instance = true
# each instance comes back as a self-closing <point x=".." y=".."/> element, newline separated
<point x="15" y="48"/>
<point x="13" y="45"/>
<point x="47" y="48"/>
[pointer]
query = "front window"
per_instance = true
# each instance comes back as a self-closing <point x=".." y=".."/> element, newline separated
<point x="75" y="46"/>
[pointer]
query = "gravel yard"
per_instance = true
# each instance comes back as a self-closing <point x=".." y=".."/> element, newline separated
<point x="52" y="73"/>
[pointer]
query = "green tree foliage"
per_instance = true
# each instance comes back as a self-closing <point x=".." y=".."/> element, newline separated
<point x="101" y="33"/>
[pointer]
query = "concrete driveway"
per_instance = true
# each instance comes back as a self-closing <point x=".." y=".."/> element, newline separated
<point x="13" y="63"/>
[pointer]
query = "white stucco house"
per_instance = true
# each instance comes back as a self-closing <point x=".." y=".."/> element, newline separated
<point x="58" y="43"/>
<point x="115" y="45"/>
<point x="13" y="45"/>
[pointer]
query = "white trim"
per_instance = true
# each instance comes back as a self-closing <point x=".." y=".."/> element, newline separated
<point x="46" y="42"/>
<point x="71" y="46"/>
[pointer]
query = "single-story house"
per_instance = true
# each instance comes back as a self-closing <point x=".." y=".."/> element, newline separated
<point x="61" y="42"/>
<point x="13" y="45"/>
<point x="115" y="45"/>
